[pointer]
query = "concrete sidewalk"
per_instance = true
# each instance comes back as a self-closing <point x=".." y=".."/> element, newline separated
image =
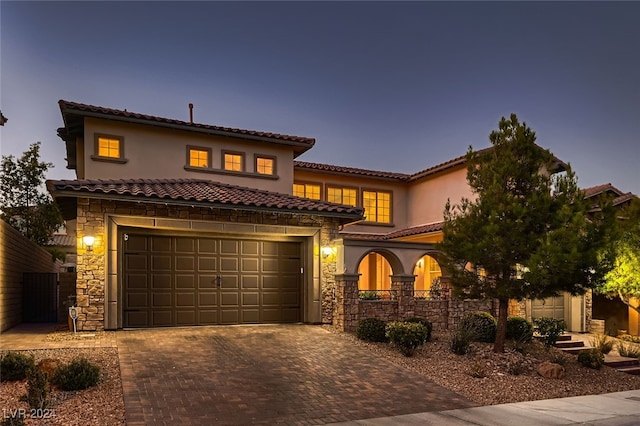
<point x="615" y="409"/>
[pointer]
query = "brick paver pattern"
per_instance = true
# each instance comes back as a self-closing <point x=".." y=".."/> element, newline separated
<point x="280" y="374"/>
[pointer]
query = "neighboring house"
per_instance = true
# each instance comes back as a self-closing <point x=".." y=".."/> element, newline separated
<point x="616" y="315"/>
<point x="196" y="224"/>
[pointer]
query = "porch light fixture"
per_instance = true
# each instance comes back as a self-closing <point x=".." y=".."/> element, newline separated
<point x="326" y="252"/>
<point x="88" y="241"/>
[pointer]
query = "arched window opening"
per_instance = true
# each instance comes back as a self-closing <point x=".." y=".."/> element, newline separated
<point x="427" y="284"/>
<point x="375" y="277"/>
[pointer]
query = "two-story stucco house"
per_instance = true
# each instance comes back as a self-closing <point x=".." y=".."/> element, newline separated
<point x="195" y="224"/>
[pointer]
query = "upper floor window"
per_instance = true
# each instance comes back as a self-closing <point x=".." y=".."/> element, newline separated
<point x="199" y="157"/>
<point x="265" y="165"/>
<point x="338" y="195"/>
<point x="109" y="148"/>
<point x="234" y="161"/>
<point x="307" y="190"/>
<point x="377" y="206"/>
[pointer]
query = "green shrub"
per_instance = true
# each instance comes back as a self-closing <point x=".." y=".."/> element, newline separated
<point x="482" y="324"/>
<point x="78" y="374"/>
<point x="519" y="329"/>
<point x="603" y="343"/>
<point x="14" y="366"/>
<point x="37" y="389"/>
<point x="629" y="338"/>
<point x="461" y="341"/>
<point x="372" y="330"/>
<point x="628" y="350"/>
<point x="559" y="357"/>
<point x="406" y="336"/>
<point x="369" y="295"/>
<point x="424" y="322"/>
<point x="591" y="358"/>
<point x="549" y="329"/>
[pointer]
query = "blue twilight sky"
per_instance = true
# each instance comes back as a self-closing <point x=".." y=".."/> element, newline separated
<point x="396" y="86"/>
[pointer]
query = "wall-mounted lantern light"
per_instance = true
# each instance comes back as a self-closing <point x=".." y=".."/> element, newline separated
<point x="88" y="241"/>
<point x="326" y="252"/>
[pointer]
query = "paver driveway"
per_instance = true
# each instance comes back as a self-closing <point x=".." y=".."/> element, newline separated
<point x="281" y="374"/>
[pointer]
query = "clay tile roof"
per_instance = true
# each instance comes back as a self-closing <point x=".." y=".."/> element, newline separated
<point x="201" y="192"/>
<point x="599" y="189"/>
<point x="415" y="230"/>
<point x="70" y="108"/>
<point x="349" y="170"/>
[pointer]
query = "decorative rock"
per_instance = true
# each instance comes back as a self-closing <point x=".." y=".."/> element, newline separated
<point x="48" y="365"/>
<point x="550" y="370"/>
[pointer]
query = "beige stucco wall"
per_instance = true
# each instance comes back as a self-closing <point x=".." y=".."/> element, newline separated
<point x="161" y="153"/>
<point x="427" y="198"/>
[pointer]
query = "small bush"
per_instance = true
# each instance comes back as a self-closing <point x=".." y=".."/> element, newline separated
<point x="478" y="370"/>
<point x="369" y="295"/>
<point x="406" y="336"/>
<point x="628" y="350"/>
<point x="517" y="367"/>
<point x="558" y="357"/>
<point x="519" y="329"/>
<point x="15" y="366"/>
<point x="482" y="324"/>
<point x="424" y="322"/>
<point x="371" y="330"/>
<point x="37" y="389"/>
<point x="78" y="374"/>
<point x="629" y="338"/>
<point x="549" y="329"/>
<point x="461" y="341"/>
<point x="603" y="343"/>
<point x="591" y="358"/>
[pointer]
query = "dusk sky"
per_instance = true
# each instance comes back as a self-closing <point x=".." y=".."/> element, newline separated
<point x="398" y="86"/>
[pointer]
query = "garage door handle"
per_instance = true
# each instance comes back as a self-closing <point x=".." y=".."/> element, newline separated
<point x="218" y="280"/>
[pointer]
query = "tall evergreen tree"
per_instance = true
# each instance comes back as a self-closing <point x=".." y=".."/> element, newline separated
<point x="526" y="233"/>
<point x="24" y="204"/>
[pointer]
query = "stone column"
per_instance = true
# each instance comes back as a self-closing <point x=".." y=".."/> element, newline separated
<point x="402" y="285"/>
<point x="345" y="316"/>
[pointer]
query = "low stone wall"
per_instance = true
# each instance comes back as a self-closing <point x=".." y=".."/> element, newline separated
<point x="436" y="311"/>
<point x="385" y="310"/>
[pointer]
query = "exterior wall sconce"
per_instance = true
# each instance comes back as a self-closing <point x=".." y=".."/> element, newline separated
<point x="88" y="241"/>
<point x="326" y="252"/>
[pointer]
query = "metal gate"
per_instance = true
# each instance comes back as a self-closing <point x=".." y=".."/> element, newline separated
<point x="39" y="297"/>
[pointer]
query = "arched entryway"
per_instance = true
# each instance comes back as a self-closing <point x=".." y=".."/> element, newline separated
<point x="375" y="270"/>
<point x="428" y="274"/>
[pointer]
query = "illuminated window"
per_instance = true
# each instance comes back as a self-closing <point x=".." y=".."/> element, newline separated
<point x="265" y="166"/>
<point x="377" y="206"/>
<point x="342" y="196"/>
<point x="233" y="162"/>
<point x="306" y="190"/>
<point x="109" y="147"/>
<point x="199" y="157"/>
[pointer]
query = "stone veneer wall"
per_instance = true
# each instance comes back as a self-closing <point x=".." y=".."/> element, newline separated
<point x="436" y="311"/>
<point x="91" y="214"/>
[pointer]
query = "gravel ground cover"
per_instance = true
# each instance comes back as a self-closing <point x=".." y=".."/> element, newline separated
<point x="489" y="378"/>
<point x="99" y="405"/>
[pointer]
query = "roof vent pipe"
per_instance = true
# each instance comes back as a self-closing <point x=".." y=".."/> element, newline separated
<point x="191" y="113"/>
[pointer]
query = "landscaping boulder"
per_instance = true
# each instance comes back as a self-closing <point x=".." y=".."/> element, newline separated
<point x="550" y="370"/>
<point x="48" y="365"/>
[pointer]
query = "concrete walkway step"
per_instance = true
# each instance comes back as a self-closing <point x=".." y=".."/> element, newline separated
<point x="630" y="370"/>
<point x="570" y="344"/>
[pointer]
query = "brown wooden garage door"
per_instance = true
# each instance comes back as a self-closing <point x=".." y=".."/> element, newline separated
<point x="180" y="281"/>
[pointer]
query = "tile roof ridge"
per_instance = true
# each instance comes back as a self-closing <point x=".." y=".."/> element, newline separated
<point x="332" y="167"/>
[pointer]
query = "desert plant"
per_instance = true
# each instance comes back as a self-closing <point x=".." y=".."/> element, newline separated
<point x="369" y="295"/>
<point x="628" y="350"/>
<point x="603" y="343"/>
<point x="482" y="324"/>
<point x="516" y="367"/>
<point x="424" y="322"/>
<point x="15" y="366"/>
<point x="591" y="358"/>
<point x="372" y="330"/>
<point x="519" y="329"/>
<point x="549" y="329"/>
<point x="78" y="374"/>
<point x="629" y="338"/>
<point x="558" y="357"/>
<point x="37" y="389"/>
<point x="461" y="341"/>
<point x="478" y="370"/>
<point x="406" y="336"/>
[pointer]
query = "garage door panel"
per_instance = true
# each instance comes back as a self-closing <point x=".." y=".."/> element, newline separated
<point x="186" y="317"/>
<point x="178" y="280"/>
<point x="185" y="281"/>
<point x="136" y="281"/>
<point x="184" y="300"/>
<point x="160" y="244"/>
<point x="185" y="263"/>
<point x="160" y="281"/>
<point x="136" y="262"/>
